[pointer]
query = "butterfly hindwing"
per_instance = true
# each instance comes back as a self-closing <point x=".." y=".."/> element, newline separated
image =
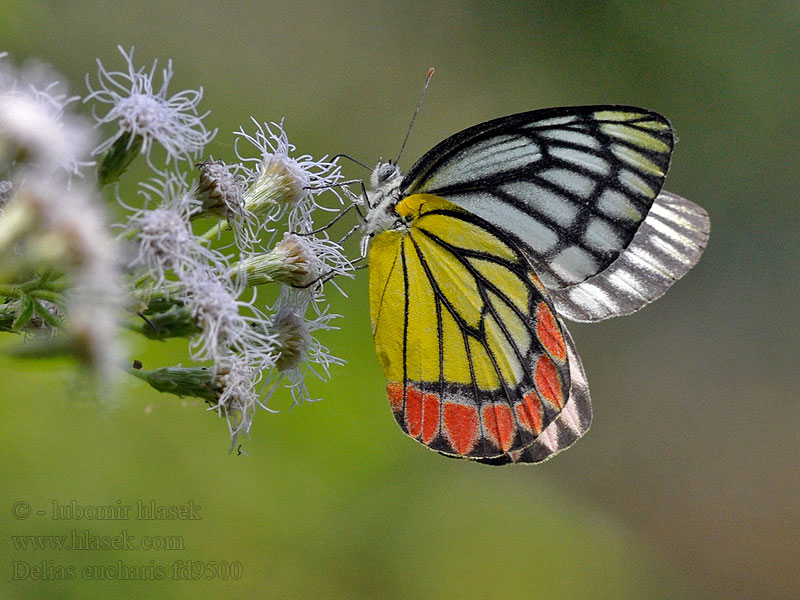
<point x="669" y="242"/>
<point x="475" y="358"/>
<point x="572" y="184"/>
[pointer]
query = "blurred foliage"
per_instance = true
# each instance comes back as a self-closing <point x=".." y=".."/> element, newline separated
<point x="687" y="484"/>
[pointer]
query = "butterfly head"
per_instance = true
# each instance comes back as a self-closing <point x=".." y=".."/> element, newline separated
<point x="383" y="174"/>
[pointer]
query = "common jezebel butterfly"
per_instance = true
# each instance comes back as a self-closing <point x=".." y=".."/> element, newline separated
<point x="491" y="239"/>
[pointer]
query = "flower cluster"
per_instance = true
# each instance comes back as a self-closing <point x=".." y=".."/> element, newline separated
<point x="59" y="267"/>
<point x="246" y="291"/>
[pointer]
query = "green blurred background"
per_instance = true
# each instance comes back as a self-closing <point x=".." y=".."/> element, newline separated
<point x="687" y="486"/>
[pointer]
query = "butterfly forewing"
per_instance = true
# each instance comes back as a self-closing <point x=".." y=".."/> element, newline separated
<point x="571" y="184"/>
<point x="564" y="430"/>
<point x="475" y="359"/>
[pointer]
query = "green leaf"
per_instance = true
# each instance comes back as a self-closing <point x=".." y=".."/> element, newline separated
<point x="119" y="158"/>
<point x="25" y="310"/>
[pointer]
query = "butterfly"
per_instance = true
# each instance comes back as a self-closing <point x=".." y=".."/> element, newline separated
<point x="491" y="240"/>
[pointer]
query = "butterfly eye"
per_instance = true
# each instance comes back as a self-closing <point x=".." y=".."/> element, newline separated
<point x="383" y="173"/>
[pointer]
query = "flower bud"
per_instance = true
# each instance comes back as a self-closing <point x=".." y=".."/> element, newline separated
<point x="292" y="261"/>
<point x="218" y="190"/>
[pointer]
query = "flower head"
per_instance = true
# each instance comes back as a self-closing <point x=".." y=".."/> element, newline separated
<point x="279" y="183"/>
<point x="220" y="192"/>
<point x="228" y="323"/>
<point x="35" y="125"/>
<point x="142" y="112"/>
<point x="297" y="260"/>
<point x="236" y="380"/>
<point x="164" y="234"/>
<point x="66" y="232"/>
<point x="295" y="343"/>
<point x="292" y="261"/>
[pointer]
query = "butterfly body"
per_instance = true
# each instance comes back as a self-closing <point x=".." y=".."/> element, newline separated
<point x="490" y="239"/>
<point x="382" y="200"/>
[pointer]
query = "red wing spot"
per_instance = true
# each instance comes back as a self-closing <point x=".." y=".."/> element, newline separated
<point x="548" y="333"/>
<point x="548" y="382"/>
<point x="430" y="417"/>
<point x="461" y="424"/>
<point x="499" y="424"/>
<point x="490" y="425"/>
<point x="395" y="392"/>
<point x="413" y="411"/>
<point x="529" y="412"/>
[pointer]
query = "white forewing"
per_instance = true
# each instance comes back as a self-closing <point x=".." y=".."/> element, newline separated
<point x="483" y="159"/>
<point x="573" y="185"/>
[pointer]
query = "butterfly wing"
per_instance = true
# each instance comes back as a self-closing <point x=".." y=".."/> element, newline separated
<point x="571" y="184"/>
<point x="475" y="359"/>
<point x="567" y="428"/>
<point x="668" y="244"/>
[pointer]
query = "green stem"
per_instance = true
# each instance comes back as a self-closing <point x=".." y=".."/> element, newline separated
<point x="180" y="381"/>
<point x="218" y="228"/>
<point x="152" y="296"/>
<point x="47" y="295"/>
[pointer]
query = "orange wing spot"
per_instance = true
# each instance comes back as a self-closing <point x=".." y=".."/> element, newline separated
<point x="529" y="412"/>
<point x="548" y="382"/>
<point x="430" y="417"/>
<point x="498" y="423"/>
<point x="413" y="411"/>
<point x="461" y="424"/>
<point x="537" y="283"/>
<point x="548" y="332"/>
<point x="395" y="392"/>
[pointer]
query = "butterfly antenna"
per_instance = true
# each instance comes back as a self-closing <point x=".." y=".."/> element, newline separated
<point x="421" y="96"/>
<point x="348" y="157"/>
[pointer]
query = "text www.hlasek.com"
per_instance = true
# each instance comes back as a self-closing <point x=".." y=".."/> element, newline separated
<point x="85" y="540"/>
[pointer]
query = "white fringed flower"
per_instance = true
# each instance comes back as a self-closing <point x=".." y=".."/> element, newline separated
<point x="61" y="267"/>
<point x="164" y="236"/>
<point x="236" y="381"/>
<point x="279" y="183"/>
<point x="67" y="231"/>
<point x="220" y="190"/>
<point x="35" y="126"/>
<point x="138" y="109"/>
<point x="227" y="322"/>
<point x="298" y="349"/>
<point x="298" y="261"/>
